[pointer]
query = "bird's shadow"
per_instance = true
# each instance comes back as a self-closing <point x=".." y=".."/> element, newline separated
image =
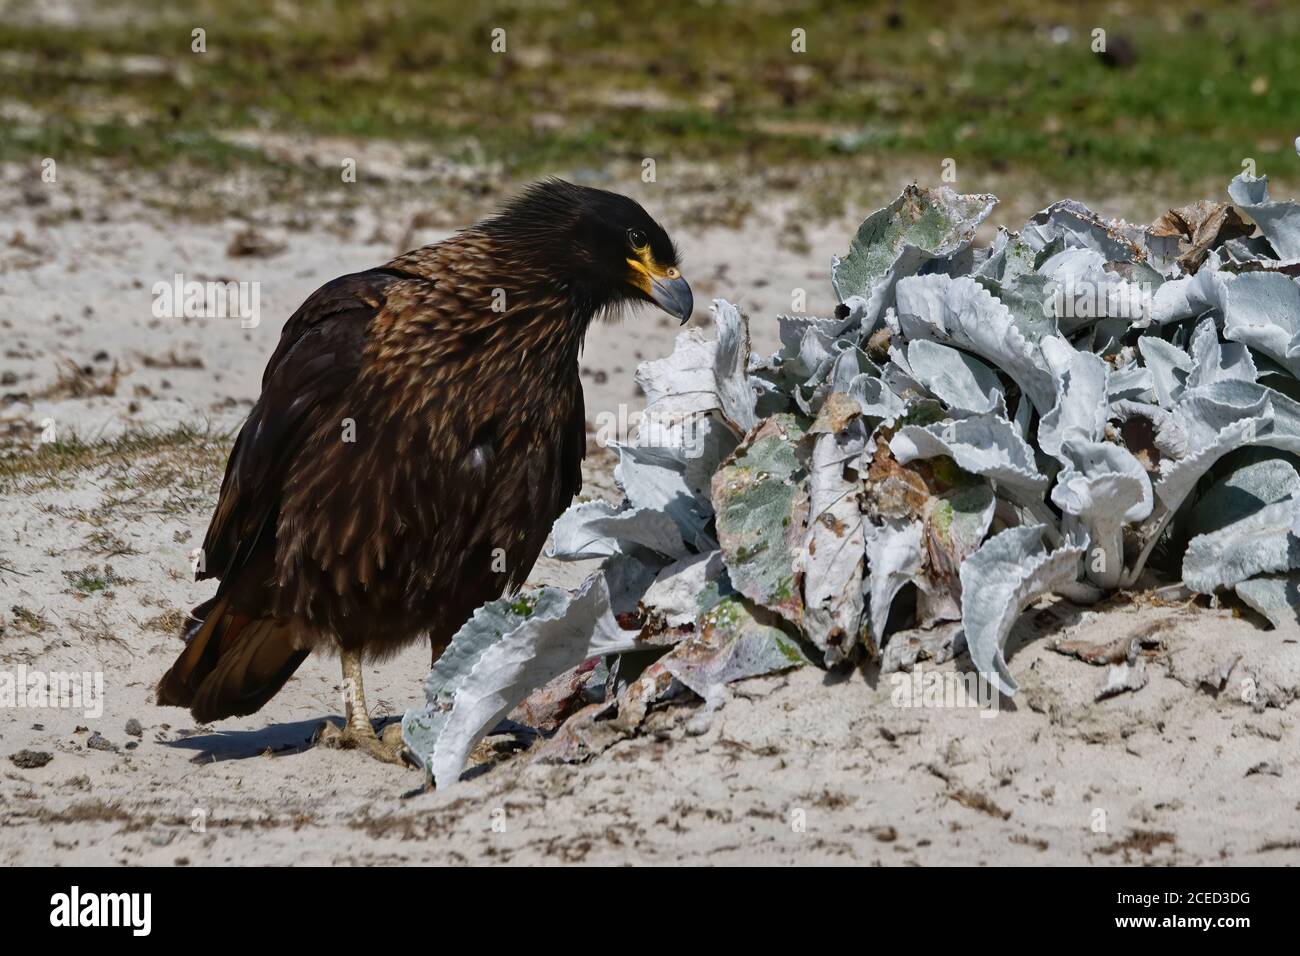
<point x="275" y="740"/>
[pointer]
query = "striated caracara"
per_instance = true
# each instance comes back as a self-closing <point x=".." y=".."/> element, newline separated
<point x="420" y="428"/>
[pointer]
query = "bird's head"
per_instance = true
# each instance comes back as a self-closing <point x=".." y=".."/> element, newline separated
<point x="601" y="245"/>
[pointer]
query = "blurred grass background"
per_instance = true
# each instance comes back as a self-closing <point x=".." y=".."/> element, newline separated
<point x="1185" y="92"/>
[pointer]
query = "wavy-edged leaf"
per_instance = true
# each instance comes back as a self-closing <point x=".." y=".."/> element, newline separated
<point x="1278" y="221"/>
<point x="1078" y="227"/>
<point x="895" y="557"/>
<point x="1169" y="367"/>
<point x="1189" y="297"/>
<point x="1243" y="491"/>
<point x="1102" y="488"/>
<point x="736" y="397"/>
<point x="919" y="226"/>
<point x="876" y="399"/>
<point x="1130" y="382"/>
<point x="959" y="380"/>
<point x="668" y="467"/>
<point x="1263" y="312"/>
<point x="685" y="589"/>
<point x="1010" y="571"/>
<point x="703" y="375"/>
<point x="598" y="529"/>
<point x="1260" y="543"/>
<point x="1082" y="291"/>
<point x="1178" y="478"/>
<point x="987" y="445"/>
<point x="509" y="648"/>
<point x="962" y="313"/>
<point x="1213" y="361"/>
<point x="1079" y="413"/>
<point x="1010" y="274"/>
<point x="849" y="362"/>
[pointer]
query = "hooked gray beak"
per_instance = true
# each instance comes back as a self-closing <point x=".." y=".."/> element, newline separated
<point x="673" y="296"/>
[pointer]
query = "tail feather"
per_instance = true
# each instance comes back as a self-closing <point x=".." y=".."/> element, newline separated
<point x="232" y="664"/>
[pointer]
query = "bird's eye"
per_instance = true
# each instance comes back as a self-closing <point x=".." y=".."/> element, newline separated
<point x="637" y="238"/>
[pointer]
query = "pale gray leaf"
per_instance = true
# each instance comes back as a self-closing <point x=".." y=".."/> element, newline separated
<point x="687" y="588"/>
<point x="1169" y="367"/>
<point x="1102" y="488"/>
<point x="597" y="529"/>
<point x="1010" y="571"/>
<point x="1078" y="227"/>
<point x="702" y="375"/>
<point x="668" y="467"/>
<point x="761" y="506"/>
<point x="1081" y="291"/>
<point x="1190" y="297"/>
<point x="896" y="241"/>
<point x="875" y="398"/>
<point x="894" y="559"/>
<point x="960" y="381"/>
<point x="834" y="544"/>
<point x="1276" y="596"/>
<point x="1261" y="543"/>
<point x="731" y="363"/>
<point x="1212" y="361"/>
<point x="1132" y="382"/>
<point x="962" y="313"/>
<point x="1263" y="312"/>
<point x="1242" y="492"/>
<point x="1278" y="221"/>
<point x="1079" y="413"/>
<point x="509" y="648"/>
<point x="986" y="445"/>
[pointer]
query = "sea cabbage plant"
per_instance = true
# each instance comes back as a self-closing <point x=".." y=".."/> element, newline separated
<point x="1081" y="406"/>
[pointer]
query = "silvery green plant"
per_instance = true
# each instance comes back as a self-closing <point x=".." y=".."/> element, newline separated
<point x="974" y="427"/>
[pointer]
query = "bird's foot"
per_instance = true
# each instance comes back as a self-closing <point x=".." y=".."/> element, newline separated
<point x="387" y="747"/>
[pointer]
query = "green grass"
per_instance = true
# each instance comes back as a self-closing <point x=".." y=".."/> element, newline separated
<point x="33" y="621"/>
<point x="92" y="580"/>
<point x="587" y="85"/>
<point x="180" y="460"/>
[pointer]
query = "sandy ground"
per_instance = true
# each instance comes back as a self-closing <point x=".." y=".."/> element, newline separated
<point x="808" y="767"/>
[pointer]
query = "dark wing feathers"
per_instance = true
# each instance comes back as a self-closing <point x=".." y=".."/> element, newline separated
<point x="572" y="454"/>
<point x="318" y="357"/>
<point x="236" y="655"/>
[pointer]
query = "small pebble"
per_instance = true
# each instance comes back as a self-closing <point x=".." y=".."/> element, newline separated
<point x="31" y="759"/>
<point x="133" y="728"/>
<point x="885" y="834"/>
<point x="98" y="741"/>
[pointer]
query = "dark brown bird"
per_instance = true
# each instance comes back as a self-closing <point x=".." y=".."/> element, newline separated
<point x="420" y="428"/>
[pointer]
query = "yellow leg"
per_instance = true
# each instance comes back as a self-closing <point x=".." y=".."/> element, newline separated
<point x="357" y="732"/>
